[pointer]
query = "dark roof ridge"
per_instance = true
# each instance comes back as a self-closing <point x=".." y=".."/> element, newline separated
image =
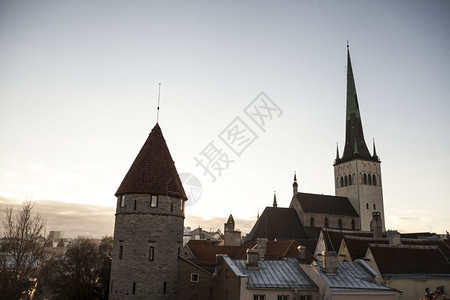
<point x="315" y="194"/>
<point x="347" y="231"/>
<point x="373" y="245"/>
<point x="364" y="238"/>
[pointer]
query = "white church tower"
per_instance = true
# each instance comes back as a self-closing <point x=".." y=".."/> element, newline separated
<point x="358" y="173"/>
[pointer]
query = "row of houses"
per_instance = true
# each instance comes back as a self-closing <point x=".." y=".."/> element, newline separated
<point x="340" y="264"/>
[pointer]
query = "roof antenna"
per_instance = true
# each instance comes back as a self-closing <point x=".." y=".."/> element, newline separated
<point x="159" y="97"/>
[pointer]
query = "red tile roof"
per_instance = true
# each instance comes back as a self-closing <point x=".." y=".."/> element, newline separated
<point x="207" y="250"/>
<point x="153" y="171"/>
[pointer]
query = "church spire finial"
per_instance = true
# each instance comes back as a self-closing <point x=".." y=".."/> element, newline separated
<point x="295" y="184"/>
<point x="374" y="150"/>
<point x="337" y="151"/>
<point x="275" y="204"/>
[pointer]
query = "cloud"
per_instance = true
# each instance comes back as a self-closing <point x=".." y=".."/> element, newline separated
<point x="97" y="221"/>
<point x="74" y="219"/>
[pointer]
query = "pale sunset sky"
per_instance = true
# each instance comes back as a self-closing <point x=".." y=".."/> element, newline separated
<point x="79" y="89"/>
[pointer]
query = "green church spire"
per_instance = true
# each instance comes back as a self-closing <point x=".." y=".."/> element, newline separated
<point x="355" y="145"/>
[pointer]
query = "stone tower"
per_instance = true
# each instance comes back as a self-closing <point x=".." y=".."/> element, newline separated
<point x="231" y="236"/>
<point x="357" y="173"/>
<point x="148" y="230"/>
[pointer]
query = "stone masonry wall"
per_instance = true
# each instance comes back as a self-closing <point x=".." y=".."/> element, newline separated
<point x="138" y="227"/>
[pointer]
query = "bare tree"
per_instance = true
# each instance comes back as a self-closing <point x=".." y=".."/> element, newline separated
<point x="22" y="251"/>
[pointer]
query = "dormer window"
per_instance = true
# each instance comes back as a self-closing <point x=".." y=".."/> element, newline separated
<point x="154" y="201"/>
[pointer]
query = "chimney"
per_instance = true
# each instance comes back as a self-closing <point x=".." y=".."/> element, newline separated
<point x="261" y="245"/>
<point x="301" y="254"/>
<point x="376" y="225"/>
<point x="252" y="259"/>
<point x="394" y="237"/>
<point x="329" y="262"/>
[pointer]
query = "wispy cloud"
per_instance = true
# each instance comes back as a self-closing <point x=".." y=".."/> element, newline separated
<point x="97" y="221"/>
<point x="74" y="219"/>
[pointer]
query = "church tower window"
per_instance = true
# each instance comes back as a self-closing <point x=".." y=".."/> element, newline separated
<point x="346" y="180"/>
<point x="365" y="178"/>
<point x="122" y="201"/>
<point x="342" y="181"/>
<point x="349" y="179"/>
<point x="120" y="252"/>
<point x="370" y="179"/>
<point x="340" y="224"/>
<point x="353" y="225"/>
<point x="326" y="223"/>
<point x="374" y="180"/>
<point x="154" y="201"/>
<point x="311" y="222"/>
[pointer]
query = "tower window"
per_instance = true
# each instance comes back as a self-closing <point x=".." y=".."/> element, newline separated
<point x="151" y="253"/>
<point x="370" y="179"/>
<point x="374" y="180"/>
<point x="135" y="203"/>
<point x="195" y="277"/>
<point x="340" y="224"/>
<point x="349" y="179"/>
<point x="346" y="180"/>
<point x="181" y="204"/>
<point x="367" y="205"/>
<point x="120" y="252"/>
<point x="134" y="288"/>
<point x="311" y="222"/>
<point x="154" y="201"/>
<point x="365" y="178"/>
<point x="326" y="223"/>
<point x="342" y="181"/>
<point x="374" y="206"/>
<point x="164" y="288"/>
<point x="353" y="225"/>
<point x="122" y="201"/>
<point x="171" y="207"/>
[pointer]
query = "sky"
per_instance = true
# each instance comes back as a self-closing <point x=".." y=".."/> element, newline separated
<point x="79" y="90"/>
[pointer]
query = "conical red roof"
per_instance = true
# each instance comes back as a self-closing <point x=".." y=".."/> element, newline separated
<point x="153" y="171"/>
